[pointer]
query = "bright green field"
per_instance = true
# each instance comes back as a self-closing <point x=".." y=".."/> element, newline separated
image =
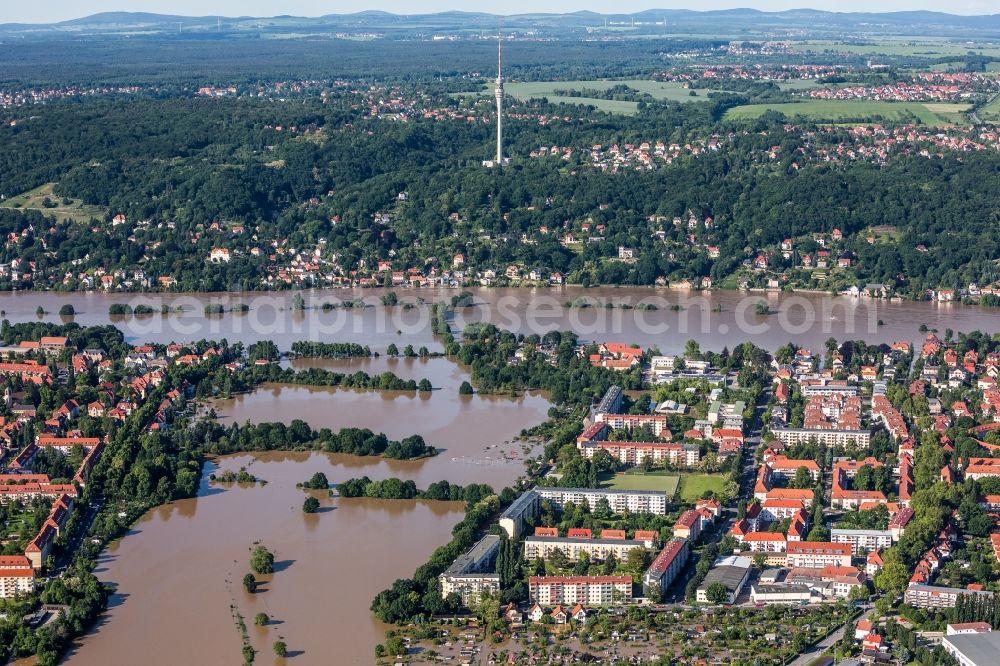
<point x="694" y="486"/>
<point x="833" y="111"/>
<point x="664" y="482"/>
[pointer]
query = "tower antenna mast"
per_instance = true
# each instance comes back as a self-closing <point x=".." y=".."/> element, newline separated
<point x="499" y="95"/>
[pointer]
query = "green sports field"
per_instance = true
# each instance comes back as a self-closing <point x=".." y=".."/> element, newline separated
<point x="693" y="486"/>
<point x="664" y="482"/>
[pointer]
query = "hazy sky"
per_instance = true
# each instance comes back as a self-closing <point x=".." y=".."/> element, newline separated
<point x="48" y="11"/>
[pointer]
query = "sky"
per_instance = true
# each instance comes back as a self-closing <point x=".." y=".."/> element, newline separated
<point x="50" y="11"/>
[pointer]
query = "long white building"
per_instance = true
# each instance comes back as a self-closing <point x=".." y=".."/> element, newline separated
<point x="596" y="549"/>
<point x="635" y="501"/>
<point x="585" y="590"/>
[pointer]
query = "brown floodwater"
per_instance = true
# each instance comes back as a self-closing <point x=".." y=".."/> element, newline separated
<point x="474" y="433"/>
<point x="716" y="318"/>
<point x="181" y="569"/>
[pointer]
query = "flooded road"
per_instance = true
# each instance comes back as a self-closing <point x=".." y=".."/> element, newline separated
<point x="715" y="318"/>
<point x="181" y="568"/>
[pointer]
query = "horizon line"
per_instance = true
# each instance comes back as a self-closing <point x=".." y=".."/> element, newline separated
<point x="126" y="12"/>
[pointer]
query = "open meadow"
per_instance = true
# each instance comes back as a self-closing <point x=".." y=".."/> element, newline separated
<point x="42" y="199"/>
<point x="841" y="111"/>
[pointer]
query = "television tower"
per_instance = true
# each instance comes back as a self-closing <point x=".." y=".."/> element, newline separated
<point x="499" y="94"/>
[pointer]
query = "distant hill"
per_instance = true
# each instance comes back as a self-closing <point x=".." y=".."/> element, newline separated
<point x="744" y="21"/>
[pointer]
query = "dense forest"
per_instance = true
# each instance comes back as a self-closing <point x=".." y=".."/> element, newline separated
<point x="311" y="162"/>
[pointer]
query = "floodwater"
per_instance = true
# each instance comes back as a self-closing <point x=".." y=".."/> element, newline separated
<point x="181" y="569"/>
<point x="474" y="433"/>
<point x="715" y="318"/>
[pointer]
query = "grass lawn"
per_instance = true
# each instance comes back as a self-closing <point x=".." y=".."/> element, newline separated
<point x="75" y="210"/>
<point x="694" y="486"/>
<point x="665" y="482"/>
<point x="609" y="105"/>
<point x="991" y="111"/>
<point x="835" y="110"/>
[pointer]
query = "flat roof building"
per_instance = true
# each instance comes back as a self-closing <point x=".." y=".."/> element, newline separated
<point x="973" y="649"/>
<point x="732" y="571"/>
<point x="523" y="508"/>
<point x="596" y="549"/>
<point x="636" y="501"/>
<point x="472" y="573"/>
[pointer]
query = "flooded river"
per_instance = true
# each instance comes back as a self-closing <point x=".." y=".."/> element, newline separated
<point x="181" y="569"/>
<point x="182" y="566"/>
<point x="716" y="318"/>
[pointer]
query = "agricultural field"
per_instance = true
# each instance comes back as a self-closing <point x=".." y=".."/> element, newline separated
<point x="693" y="486"/>
<point x="57" y="207"/>
<point x="929" y="49"/>
<point x="839" y="111"/>
<point x="666" y="482"/>
<point x="991" y="112"/>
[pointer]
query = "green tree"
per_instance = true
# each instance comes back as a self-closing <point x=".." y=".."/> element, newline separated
<point x="310" y="505"/>
<point x="261" y="560"/>
<point x="280" y="649"/>
<point x="250" y="583"/>
<point x="717" y="593"/>
<point x="465" y="389"/>
<point x="261" y="619"/>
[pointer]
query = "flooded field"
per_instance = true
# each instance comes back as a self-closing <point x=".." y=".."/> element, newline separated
<point x="180" y="570"/>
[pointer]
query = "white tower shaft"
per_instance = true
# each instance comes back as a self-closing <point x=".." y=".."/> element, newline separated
<point x="499" y="96"/>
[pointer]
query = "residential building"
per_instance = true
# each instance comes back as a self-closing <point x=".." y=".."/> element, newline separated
<point x="14" y="582"/>
<point x="688" y="526"/>
<point x="862" y="541"/>
<point x="472" y="573"/>
<point x="596" y="549"/>
<point x="829" y="437"/>
<point x="636" y="453"/>
<point x="818" y="554"/>
<point x="931" y="596"/>
<point x="635" y="501"/>
<point x="524" y="508"/>
<point x="667" y="565"/>
<point x="586" y="590"/>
